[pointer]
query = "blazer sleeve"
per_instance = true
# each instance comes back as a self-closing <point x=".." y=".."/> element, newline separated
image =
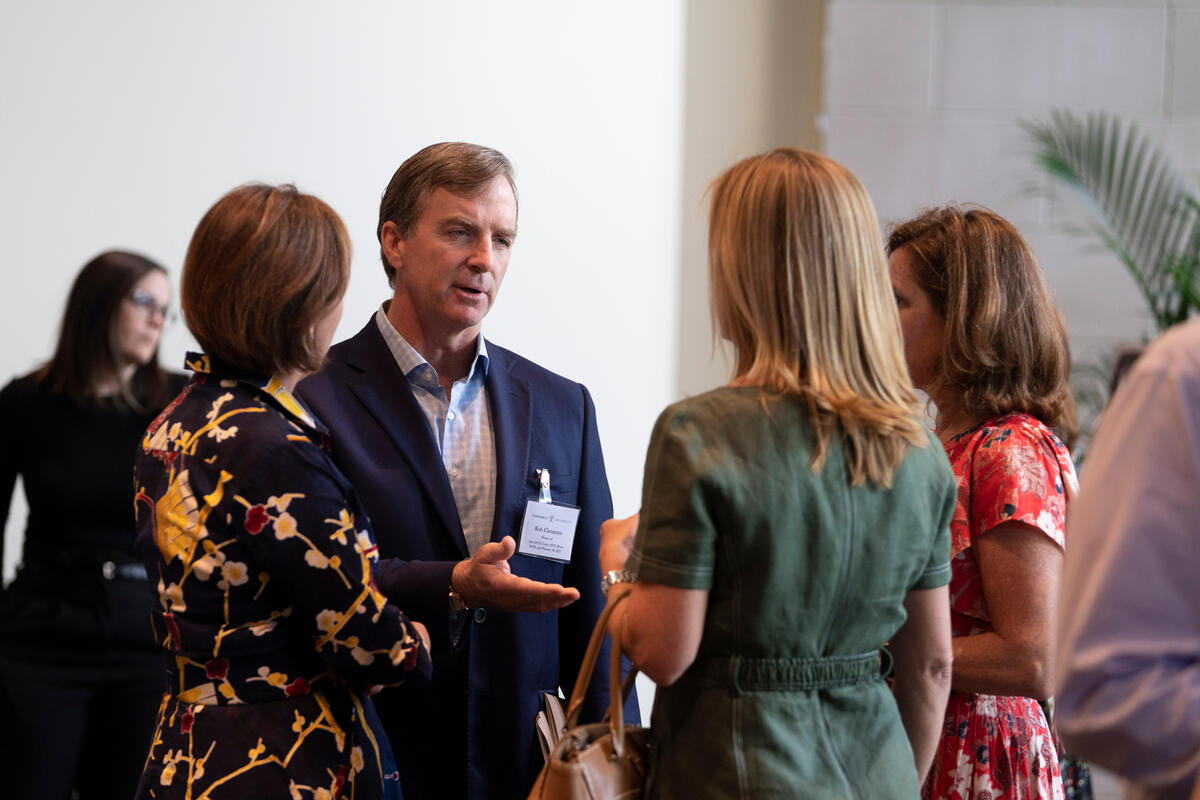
<point x="576" y="621"/>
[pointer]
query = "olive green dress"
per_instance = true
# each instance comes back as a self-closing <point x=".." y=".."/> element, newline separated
<point x="807" y="577"/>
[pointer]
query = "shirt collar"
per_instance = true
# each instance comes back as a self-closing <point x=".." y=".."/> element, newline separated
<point x="414" y="366"/>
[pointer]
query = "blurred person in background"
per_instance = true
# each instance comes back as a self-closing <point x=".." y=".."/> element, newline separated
<point x="1129" y="672"/>
<point x="80" y="673"/>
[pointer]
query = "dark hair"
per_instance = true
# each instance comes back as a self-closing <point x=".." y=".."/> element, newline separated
<point x="265" y="264"/>
<point x="1006" y="343"/>
<point x="87" y="352"/>
<point x="458" y="167"/>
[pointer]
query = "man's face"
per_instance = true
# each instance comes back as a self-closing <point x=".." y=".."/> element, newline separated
<point x="449" y="268"/>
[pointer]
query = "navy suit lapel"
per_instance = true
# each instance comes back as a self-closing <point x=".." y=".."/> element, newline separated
<point x="508" y="398"/>
<point x="384" y="392"/>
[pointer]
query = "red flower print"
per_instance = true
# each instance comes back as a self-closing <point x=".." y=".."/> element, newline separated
<point x="172" y="630"/>
<point x="340" y="781"/>
<point x="296" y="688"/>
<point x="256" y="518"/>
<point x="186" y="725"/>
<point x="410" y="659"/>
<point x="217" y="668"/>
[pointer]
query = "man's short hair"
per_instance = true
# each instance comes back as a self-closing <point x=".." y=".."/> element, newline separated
<point x="265" y="264"/>
<point x="458" y="167"/>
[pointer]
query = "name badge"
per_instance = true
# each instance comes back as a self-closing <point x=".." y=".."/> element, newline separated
<point x="548" y="528"/>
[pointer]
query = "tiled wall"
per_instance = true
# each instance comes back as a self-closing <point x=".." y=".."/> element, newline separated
<point x="923" y="101"/>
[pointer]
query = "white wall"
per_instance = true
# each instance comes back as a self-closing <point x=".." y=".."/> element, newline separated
<point x="123" y="121"/>
<point x="753" y="84"/>
<point x="922" y="100"/>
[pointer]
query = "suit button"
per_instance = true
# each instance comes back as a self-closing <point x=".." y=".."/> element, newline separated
<point x="480" y="614"/>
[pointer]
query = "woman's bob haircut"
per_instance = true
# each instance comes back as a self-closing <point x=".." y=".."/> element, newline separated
<point x="265" y="264"/>
<point x="1006" y="343"/>
<point x="801" y="289"/>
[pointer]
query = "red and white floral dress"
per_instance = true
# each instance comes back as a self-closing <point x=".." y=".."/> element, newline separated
<point x="1010" y="469"/>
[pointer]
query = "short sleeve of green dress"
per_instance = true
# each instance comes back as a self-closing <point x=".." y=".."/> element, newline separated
<point x="806" y="578"/>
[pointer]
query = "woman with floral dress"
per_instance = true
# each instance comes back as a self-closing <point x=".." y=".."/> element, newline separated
<point x="984" y="340"/>
<point x="273" y="627"/>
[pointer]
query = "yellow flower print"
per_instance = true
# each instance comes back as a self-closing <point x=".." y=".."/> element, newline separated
<point x="263" y="628"/>
<point x="257" y="750"/>
<point x="356" y="759"/>
<point x="321" y="793"/>
<point x="362" y="656"/>
<point x="277" y="679"/>
<point x="327" y="620"/>
<point x="203" y="567"/>
<point x="317" y="559"/>
<point x="281" y="502"/>
<point x="171" y="597"/>
<point x="344" y="522"/>
<point x="285" y="526"/>
<point x="294" y="791"/>
<point x="298" y="723"/>
<point x="235" y="572"/>
<point x="335" y="562"/>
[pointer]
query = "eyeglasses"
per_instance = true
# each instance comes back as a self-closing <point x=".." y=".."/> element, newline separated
<point x="144" y="302"/>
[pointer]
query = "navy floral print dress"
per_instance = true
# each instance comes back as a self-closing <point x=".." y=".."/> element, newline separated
<point x="272" y="624"/>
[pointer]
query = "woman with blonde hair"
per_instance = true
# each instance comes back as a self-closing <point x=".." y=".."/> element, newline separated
<point x="982" y="337"/>
<point x="273" y="627"/>
<point x="794" y="521"/>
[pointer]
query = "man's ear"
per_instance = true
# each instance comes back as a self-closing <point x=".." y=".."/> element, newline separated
<point x="392" y="244"/>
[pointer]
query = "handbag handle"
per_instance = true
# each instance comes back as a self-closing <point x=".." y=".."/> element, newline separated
<point x="616" y="712"/>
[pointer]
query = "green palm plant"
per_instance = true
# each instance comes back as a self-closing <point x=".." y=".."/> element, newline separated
<point x="1140" y="205"/>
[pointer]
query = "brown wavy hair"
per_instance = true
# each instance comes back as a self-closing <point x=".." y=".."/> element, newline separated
<point x="800" y="288"/>
<point x="265" y="264"/>
<point x="1006" y="346"/>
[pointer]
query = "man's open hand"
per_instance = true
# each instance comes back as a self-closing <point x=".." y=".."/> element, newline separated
<point x="485" y="579"/>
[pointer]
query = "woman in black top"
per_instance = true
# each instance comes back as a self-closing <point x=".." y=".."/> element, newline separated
<point x="80" y="673"/>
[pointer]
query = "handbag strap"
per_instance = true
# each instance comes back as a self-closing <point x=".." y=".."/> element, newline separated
<point x="617" y="692"/>
<point x="592" y="654"/>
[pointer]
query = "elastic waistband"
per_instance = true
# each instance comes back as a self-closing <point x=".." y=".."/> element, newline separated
<point x="783" y="674"/>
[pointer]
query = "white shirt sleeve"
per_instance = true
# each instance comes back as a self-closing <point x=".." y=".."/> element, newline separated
<point x="1129" y="658"/>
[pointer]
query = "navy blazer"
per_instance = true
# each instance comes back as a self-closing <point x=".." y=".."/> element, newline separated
<point x="471" y="735"/>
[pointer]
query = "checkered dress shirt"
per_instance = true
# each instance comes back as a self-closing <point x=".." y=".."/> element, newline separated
<point x="462" y="428"/>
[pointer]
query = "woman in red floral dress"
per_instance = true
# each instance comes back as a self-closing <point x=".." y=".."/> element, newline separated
<point x="983" y="339"/>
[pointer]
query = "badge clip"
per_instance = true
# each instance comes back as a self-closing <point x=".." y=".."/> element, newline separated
<point x="544" y="484"/>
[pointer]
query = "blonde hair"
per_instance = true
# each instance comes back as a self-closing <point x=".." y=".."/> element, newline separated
<point x="801" y="289"/>
<point x="1006" y="343"/>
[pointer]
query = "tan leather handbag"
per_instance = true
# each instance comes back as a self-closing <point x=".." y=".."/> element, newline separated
<point x="605" y="760"/>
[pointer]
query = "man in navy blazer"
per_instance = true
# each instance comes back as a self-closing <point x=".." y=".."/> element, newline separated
<point x="445" y="436"/>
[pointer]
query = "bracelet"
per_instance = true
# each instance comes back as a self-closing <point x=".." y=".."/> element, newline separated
<point x="614" y="576"/>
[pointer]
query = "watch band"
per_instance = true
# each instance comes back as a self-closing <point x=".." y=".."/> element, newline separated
<point x="614" y="576"/>
<point x="457" y="604"/>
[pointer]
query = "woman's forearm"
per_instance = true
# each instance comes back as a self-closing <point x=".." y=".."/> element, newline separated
<point x="921" y="698"/>
<point x="989" y="664"/>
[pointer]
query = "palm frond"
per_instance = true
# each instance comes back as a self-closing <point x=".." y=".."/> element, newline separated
<point x="1143" y="208"/>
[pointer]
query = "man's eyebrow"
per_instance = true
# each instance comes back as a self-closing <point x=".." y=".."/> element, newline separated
<point x="458" y="222"/>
